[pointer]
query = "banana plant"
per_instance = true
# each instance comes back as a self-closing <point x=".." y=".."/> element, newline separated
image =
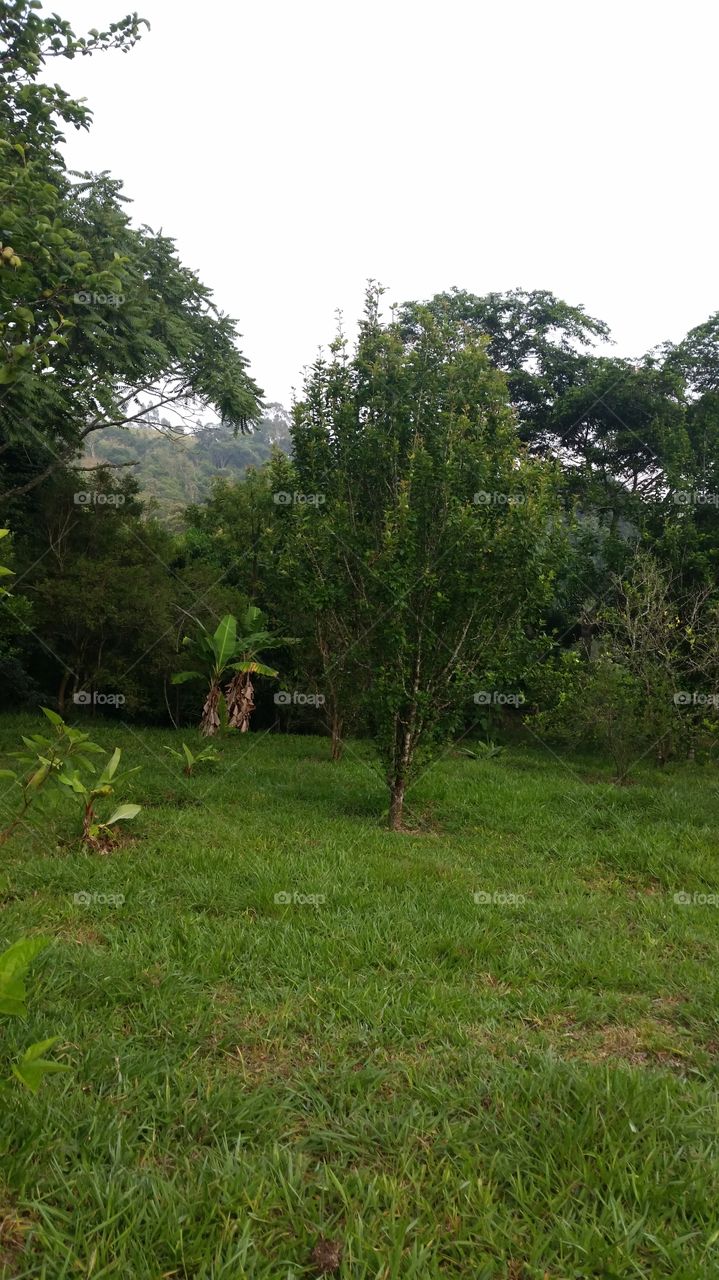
<point x="97" y="833"/>
<point x="215" y="656"/>
<point x="207" y="756"/>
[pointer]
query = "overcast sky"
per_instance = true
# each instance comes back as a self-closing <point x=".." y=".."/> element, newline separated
<point x="295" y="148"/>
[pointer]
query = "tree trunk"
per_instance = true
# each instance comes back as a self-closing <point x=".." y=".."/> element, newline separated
<point x="396" y="804"/>
<point x="61" y="694"/>
<point x="240" y="702"/>
<point x="210" y="721"/>
<point x="336" y="731"/>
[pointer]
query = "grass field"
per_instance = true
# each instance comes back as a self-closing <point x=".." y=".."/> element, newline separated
<point x="524" y="1087"/>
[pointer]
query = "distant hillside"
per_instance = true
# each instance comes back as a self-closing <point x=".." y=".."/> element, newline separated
<point x="175" y="471"/>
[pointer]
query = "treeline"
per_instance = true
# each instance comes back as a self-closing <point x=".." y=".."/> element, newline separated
<point x="485" y="519"/>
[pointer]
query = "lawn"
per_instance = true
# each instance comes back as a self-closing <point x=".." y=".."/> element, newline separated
<point x="521" y="1087"/>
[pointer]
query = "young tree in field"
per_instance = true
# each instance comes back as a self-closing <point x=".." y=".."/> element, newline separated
<point x="444" y="528"/>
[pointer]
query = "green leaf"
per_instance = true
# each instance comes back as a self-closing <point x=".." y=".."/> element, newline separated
<point x="124" y="813"/>
<point x="225" y="640"/>
<point x="52" y="716"/>
<point x="110" y="769"/>
<point x="38" y="778"/>
<point x="74" y="781"/>
<point x="14" y="964"/>
<point x="188" y="755"/>
<point x="32" y="1068"/>
<point x="253" y="668"/>
<point x="180" y="677"/>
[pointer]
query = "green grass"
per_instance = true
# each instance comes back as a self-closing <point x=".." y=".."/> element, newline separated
<point x="448" y="1089"/>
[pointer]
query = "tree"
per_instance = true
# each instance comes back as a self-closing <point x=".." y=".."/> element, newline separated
<point x="100" y="324"/>
<point x="446" y="528"/>
<point x="541" y="343"/>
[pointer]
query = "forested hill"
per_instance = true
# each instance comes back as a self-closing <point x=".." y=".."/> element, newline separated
<point x="174" y="471"/>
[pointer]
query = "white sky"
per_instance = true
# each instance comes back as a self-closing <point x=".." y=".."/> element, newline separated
<point x="295" y="148"/>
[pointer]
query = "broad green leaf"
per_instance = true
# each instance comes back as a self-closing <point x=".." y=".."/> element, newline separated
<point x="32" y="1067"/>
<point x="188" y="755"/>
<point x="74" y="781"/>
<point x="85" y="764"/>
<point x="124" y="813"/>
<point x="110" y="769"/>
<point x="253" y="668"/>
<point x="14" y="964"/>
<point x="225" y="640"/>
<point x="52" y="716"/>
<point x="180" y="677"/>
<point x="252" y="616"/>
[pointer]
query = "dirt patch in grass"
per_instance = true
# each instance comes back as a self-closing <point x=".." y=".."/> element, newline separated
<point x="642" y="1045"/>
<point x="80" y="936"/>
<point x="13" y="1230"/>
